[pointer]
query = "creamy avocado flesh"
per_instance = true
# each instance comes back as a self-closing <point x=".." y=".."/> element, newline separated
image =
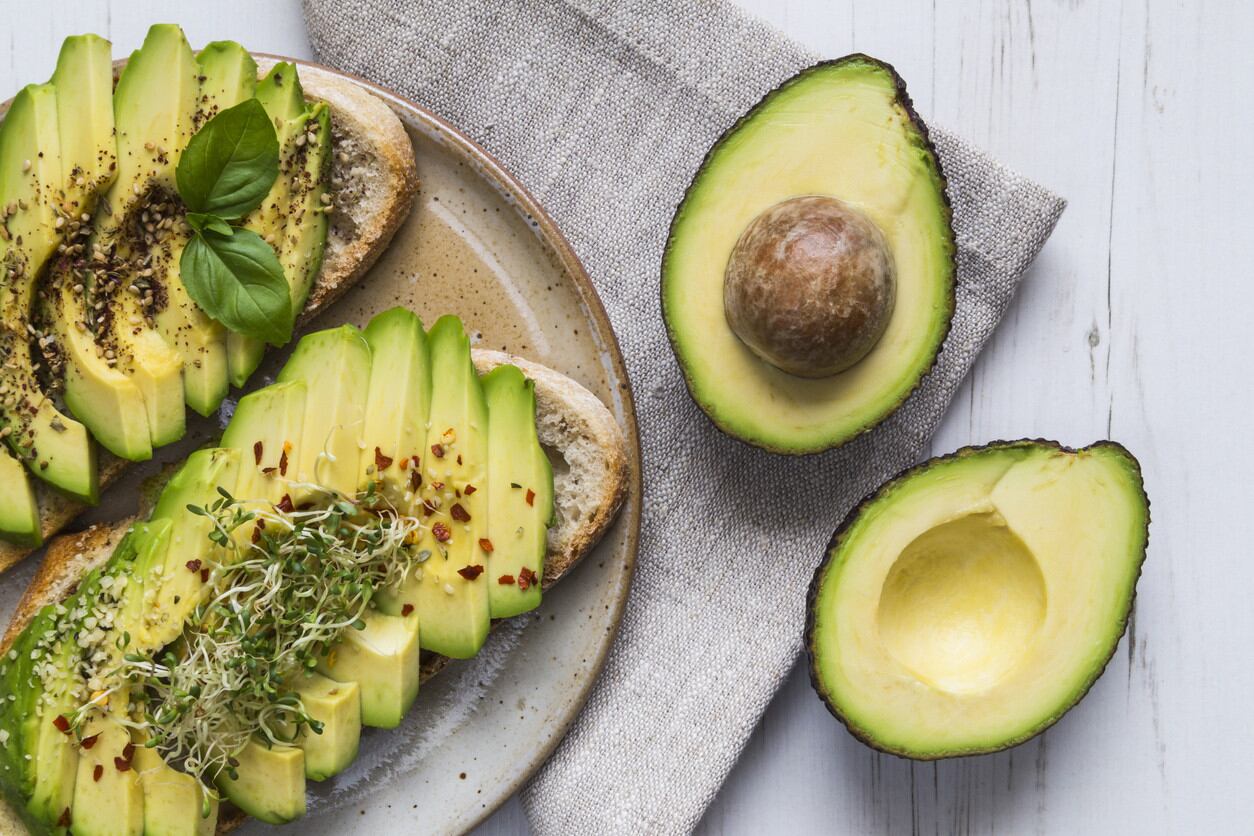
<point x="972" y="601"/>
<point x="843" y="129"/>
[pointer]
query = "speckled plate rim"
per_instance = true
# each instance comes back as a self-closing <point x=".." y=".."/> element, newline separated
<point x="515" y="193"/>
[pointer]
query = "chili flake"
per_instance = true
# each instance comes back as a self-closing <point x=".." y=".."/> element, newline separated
<point x="285" y="504"/>
<point x="64" y="820"/>
<point x="441" y="532"/>
<point x="531" y="497"/>
<point x="505" y="580"/>
<point x="459" y="458"/>
<point x="62" y="724"/>
<point x="193" y="565"/>
<point x="128" y="751"/>
<point x="470" y="489"/>
<point x="88" y="742"/>
<point x="257" y="452"/>
<point x="122" y="764"/>
<point x="269" y="471"/>
<point x="470" y="572"/>
<point x="415" y="479"/>
<point x="381" y="462"/>
<point x="407" y="609"/>
<point x="459" y="513"/>
<point x="526" y="578"/>
<point x="256" y="538"/>
<point x="204" y="575"/>
<point x="485" y="544"/>
<point x="97" y="772"/>
<point x="437" y="450"/>
<point x="283" y="461"/>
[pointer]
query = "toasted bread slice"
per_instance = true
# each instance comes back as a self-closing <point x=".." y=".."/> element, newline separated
<point x="590" y="478"/>
<point x="375" y="181"/>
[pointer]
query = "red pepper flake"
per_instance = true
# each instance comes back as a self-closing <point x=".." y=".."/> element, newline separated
<point x="437" y="486"/>
<point x="415" y="479"/>
<point x="470" y="489"/>
<point x="97" y="772"/>
<point x="407" y="609"/>
<point x="283" y="462"/>
<point x="204" y="575"/>
<point x="441" y="532"/>
<point x="526" y="578"/>
<point x="122" y="764"/>
<point x="64" y="820"/>
<point x="193" y="565"/>
<point x="381" y="462"/>
<point x="62" y="724"/>
<point x="485" y="544"/>
<point x="459" y="458"/>
<point x="285" y="505"/>
<point x="88" y="742"/>
<point x="257" y="452"/>
<point x="505" y="580"/>
<point x="470" y="572"/>
<point x="269" y="471"/>
<point x="428" y="508"/>
<point x="417" y="461"/>
<point x="404" y="465"/>
<point x="459" y="513"/>
<point x="437" y="450"/>
<point x="531" y="497"/>
<point x="256" y="538"/>
<point x="128" y="751"/>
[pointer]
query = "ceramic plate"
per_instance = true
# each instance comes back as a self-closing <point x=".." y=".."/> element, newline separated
<point x="477" y="245"/>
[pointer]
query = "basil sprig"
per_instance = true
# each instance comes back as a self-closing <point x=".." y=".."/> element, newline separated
<point x="234" y="276"/>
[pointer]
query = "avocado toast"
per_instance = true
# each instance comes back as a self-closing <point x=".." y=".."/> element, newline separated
<point x="150" y="350"/>
<point x="159" y="600"/>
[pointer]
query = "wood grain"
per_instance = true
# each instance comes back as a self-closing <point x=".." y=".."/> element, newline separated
<point x="1133" y="324"/>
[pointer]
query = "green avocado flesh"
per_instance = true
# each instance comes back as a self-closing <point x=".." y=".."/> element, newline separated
<point x="99" y="339"/>
<point x="970" y="602"/>
<point x="843" y="129"/>
<point x="354" y="414"/>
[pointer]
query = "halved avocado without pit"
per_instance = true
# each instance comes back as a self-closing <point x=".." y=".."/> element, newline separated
<point x="833" y="156"/>
<point x="973" y="600"/>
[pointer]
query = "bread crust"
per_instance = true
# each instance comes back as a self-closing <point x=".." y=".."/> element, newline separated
<point x="357" y="116"/>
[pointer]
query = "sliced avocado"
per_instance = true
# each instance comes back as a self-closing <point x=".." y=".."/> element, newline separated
<point x="266" y="428"/>
<point x="108" y="793"/>
<point x="449" y="588"/>
<point x="137" y="615"/>
<point x="54" y="447"/>
<point x="337" y="706"/>
<point x="174" y="803"/>
<point x="84" y="82"/>
<point x="973" y="600"/>
<point x="281" y="95"/>
<point x="397" y="404"/>
<point x="55" y="752"/>
<point x="334" y="366"/>
<point x="179" y="585"/>
<point x="839" y="133"/>
<point x="270" y="782"/>
<point x="155" y="105"/>
<point x="19" y="512"/>
<point x="308" y="170"/>
<point x="228" y="76"/>
<point x="25" y="687"/>
<point x="382" y="659"/>
<point x="520" y="494"/>
<point x="108" y="402"/>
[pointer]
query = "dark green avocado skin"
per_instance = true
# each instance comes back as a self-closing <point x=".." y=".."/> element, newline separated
<point x="903" y="98"/>
<point x="816" y="582"/>
<point x="18" y="692"/>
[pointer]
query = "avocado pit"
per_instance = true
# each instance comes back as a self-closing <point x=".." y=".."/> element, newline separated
<point x="810" y="286"/>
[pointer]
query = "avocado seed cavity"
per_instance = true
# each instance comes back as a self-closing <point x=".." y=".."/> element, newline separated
<point x="810" y="286"/>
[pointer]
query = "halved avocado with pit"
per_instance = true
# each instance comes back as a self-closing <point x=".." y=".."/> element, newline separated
<point x="833" y="177"/>
<point x="973" y="600"/>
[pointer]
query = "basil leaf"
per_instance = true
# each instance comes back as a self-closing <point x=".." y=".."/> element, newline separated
<point x="230" y="164"/>
<point x="200" y="222"/>
<point x="238" y="281"/>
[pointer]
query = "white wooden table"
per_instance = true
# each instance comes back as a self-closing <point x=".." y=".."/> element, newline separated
<point x="1136" y="323"/>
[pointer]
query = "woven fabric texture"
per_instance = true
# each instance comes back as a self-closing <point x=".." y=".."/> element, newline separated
<point x="604" y="110"/>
